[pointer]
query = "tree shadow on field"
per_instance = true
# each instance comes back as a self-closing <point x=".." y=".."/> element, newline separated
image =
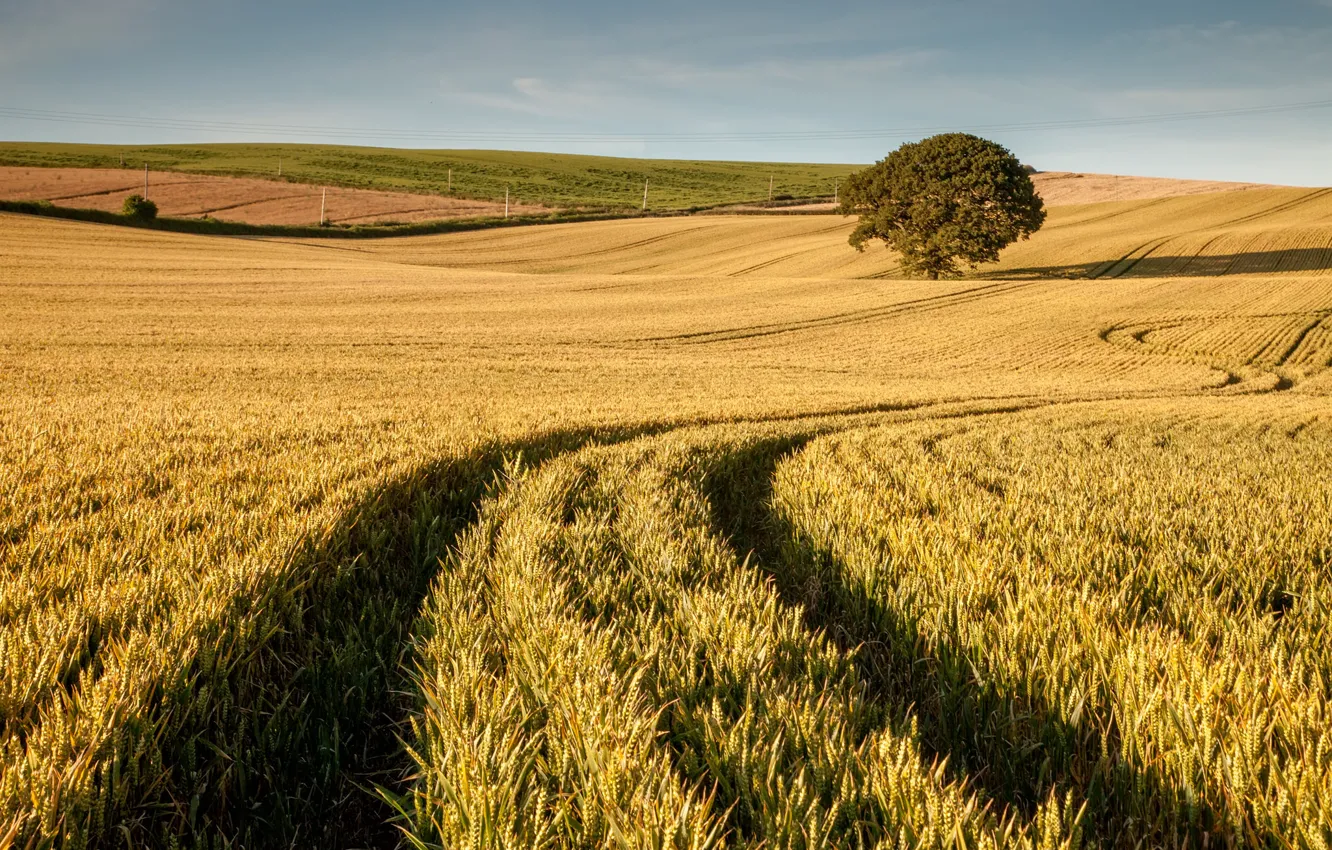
<point x="1004" y="739"/>
<point x="1295" y="260"/>
<point x="293" y="704"/>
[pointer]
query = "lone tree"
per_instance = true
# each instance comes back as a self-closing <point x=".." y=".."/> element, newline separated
<point x="948" y="198"/>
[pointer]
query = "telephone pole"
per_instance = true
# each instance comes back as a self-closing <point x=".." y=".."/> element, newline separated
<point x="645" y="185"/>
<point x="769" y="188"/>
<point x="835" y="188"/>
<point x="323" y="204"/>
<point x="145" y="180"/>
<point x="506" y="201"/>
<point x="279" y="166"/>
<point x="450" y="181"/>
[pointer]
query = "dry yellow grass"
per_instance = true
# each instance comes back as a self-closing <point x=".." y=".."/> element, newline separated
<point x="1067" y="188"/>
<point x="1267" y="231"/>
<point x="1062" y="188"/>
<point x="1260" y="231"/>
<point x="230" y="467"/>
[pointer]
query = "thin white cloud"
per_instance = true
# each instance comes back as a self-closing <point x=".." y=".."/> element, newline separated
<point x="1265" y="47"/>
<point x="844" y="70"/>
<point x="543" y="98"/>
<point x="621" y="88"/>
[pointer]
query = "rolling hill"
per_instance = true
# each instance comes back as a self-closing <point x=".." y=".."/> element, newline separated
<point x="694" y="533"/>
<point x="563" y="180"/>
<point x="1245" y="232"/>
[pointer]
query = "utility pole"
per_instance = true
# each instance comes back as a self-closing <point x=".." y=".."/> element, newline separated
<point x="450" y="181"/>
<point x="279" y="165"/>
<point x="323" y="204"/>
<point x="835" y="188"/>
<point x="506" y="201"/>
<point x="769" y="188"/>
<point x="145" y="180"/>
<point x="645" y="185"/>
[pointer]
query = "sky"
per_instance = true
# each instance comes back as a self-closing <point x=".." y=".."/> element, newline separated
<point x="779" y="81"/>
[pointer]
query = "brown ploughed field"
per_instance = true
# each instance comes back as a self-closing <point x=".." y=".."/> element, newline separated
<point x="252" y="200"/>
<point x="242" y="199"/>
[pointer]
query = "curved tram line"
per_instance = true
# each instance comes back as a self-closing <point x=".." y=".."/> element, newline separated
<point x="958" y="625"/>
<point x="834" y="635"/>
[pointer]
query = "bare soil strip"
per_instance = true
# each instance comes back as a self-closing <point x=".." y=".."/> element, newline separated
<point x="241" y="199"/>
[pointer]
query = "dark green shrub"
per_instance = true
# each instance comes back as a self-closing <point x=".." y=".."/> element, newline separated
<point x="137" y="206"/>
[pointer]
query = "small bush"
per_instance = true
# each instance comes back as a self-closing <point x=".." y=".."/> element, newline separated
<point x="137" y="206"/>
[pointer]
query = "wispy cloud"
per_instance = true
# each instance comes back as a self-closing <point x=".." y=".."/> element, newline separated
<point x="843" y="70"/>
<point x="540" y="97"/>
<point x="655" y="87"/>
<point x="1223" y="44"/>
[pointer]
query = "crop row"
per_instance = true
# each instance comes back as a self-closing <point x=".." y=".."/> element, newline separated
<point x="599" y="668"/>
<point x="1026" y="630"/>
<point x="1135" y="612"/>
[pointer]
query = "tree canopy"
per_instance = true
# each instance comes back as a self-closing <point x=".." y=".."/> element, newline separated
<point x="948" y="199"/>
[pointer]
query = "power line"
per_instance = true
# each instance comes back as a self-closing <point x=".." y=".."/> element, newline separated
<point x="323" y="131"/>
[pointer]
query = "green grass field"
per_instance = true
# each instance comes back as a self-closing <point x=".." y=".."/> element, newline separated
<point x="561" y="180"/>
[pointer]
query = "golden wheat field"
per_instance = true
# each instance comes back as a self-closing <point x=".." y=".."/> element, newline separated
<point x="689" y="533"/>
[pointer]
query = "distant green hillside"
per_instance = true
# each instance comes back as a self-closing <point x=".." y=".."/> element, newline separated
<point x="555" y="179"/>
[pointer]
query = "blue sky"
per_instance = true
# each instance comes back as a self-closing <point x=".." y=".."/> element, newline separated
<point x="788" y="81"/>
